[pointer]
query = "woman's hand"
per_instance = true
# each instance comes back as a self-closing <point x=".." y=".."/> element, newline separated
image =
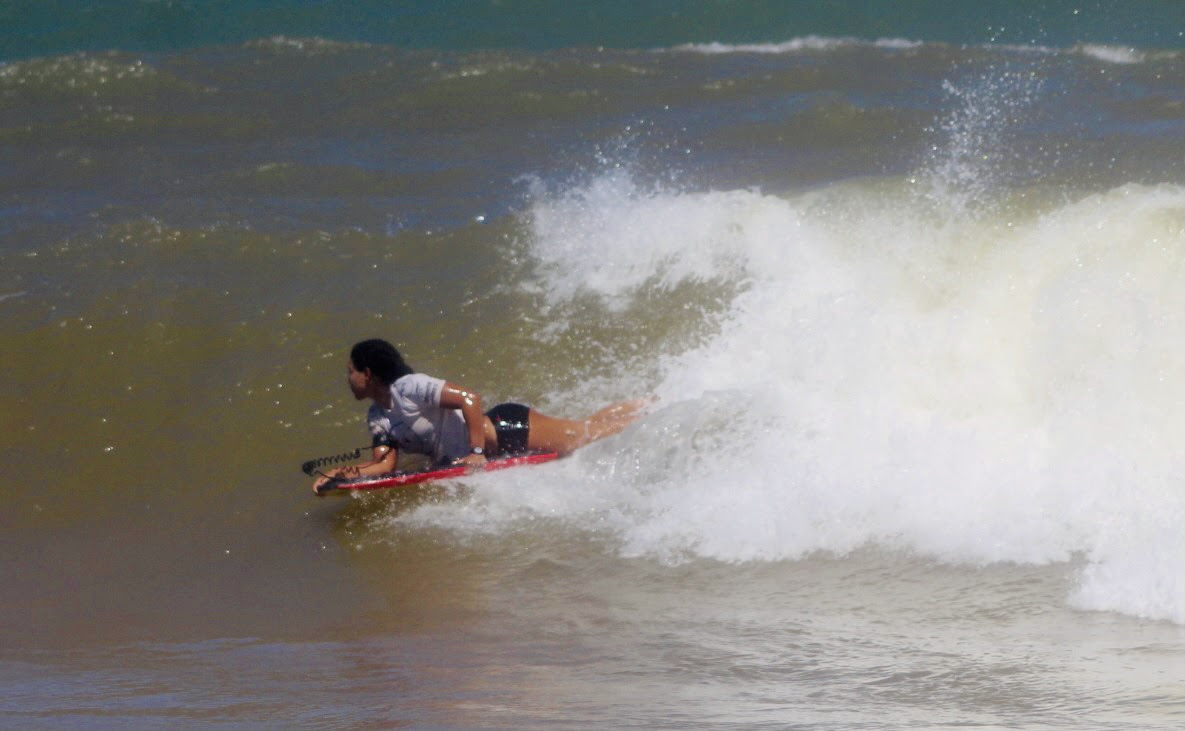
<point x="341" y="473"/>
<point x="320" y="482"/>
<point x="472" y="461"/>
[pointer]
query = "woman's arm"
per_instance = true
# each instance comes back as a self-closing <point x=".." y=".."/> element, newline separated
<point x="469" y="403"/>
<point x="383" y="461"/>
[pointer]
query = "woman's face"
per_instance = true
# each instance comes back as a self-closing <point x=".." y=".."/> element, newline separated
<point x="359" y="380"/>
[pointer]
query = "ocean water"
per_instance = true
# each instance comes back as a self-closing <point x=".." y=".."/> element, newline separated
<point x="907" y="282"/>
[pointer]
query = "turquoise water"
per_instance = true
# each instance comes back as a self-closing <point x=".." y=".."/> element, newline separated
<point x="906" y="280"/>
<point x="34" y="28"/>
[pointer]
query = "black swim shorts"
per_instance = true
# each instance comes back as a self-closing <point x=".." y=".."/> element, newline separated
<point x="512" y="424"/>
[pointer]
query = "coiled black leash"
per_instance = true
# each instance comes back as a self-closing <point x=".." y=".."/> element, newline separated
<point x="313" y="465"/>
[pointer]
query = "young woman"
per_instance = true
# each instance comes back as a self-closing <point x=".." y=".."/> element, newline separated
<point x="425" y="415"/>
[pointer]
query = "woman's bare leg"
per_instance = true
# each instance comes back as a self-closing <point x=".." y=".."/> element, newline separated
<point x="565" y="435"/>
<point x="621" y="410"/>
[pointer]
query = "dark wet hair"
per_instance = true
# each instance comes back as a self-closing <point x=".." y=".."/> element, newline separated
<point x="383" y="360"/>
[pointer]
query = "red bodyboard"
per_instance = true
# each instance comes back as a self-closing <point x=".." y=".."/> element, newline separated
<point x="403" y="479"/>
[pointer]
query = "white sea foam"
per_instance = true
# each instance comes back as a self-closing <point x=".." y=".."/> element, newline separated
<point x="1113" y="54"/>
<point x="1108" y="54"/>
<point x="975" y="391"/>
<point x="797" y="45"/>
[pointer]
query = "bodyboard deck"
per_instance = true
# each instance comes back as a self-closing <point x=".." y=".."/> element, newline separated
<point x="404" y="479"/>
